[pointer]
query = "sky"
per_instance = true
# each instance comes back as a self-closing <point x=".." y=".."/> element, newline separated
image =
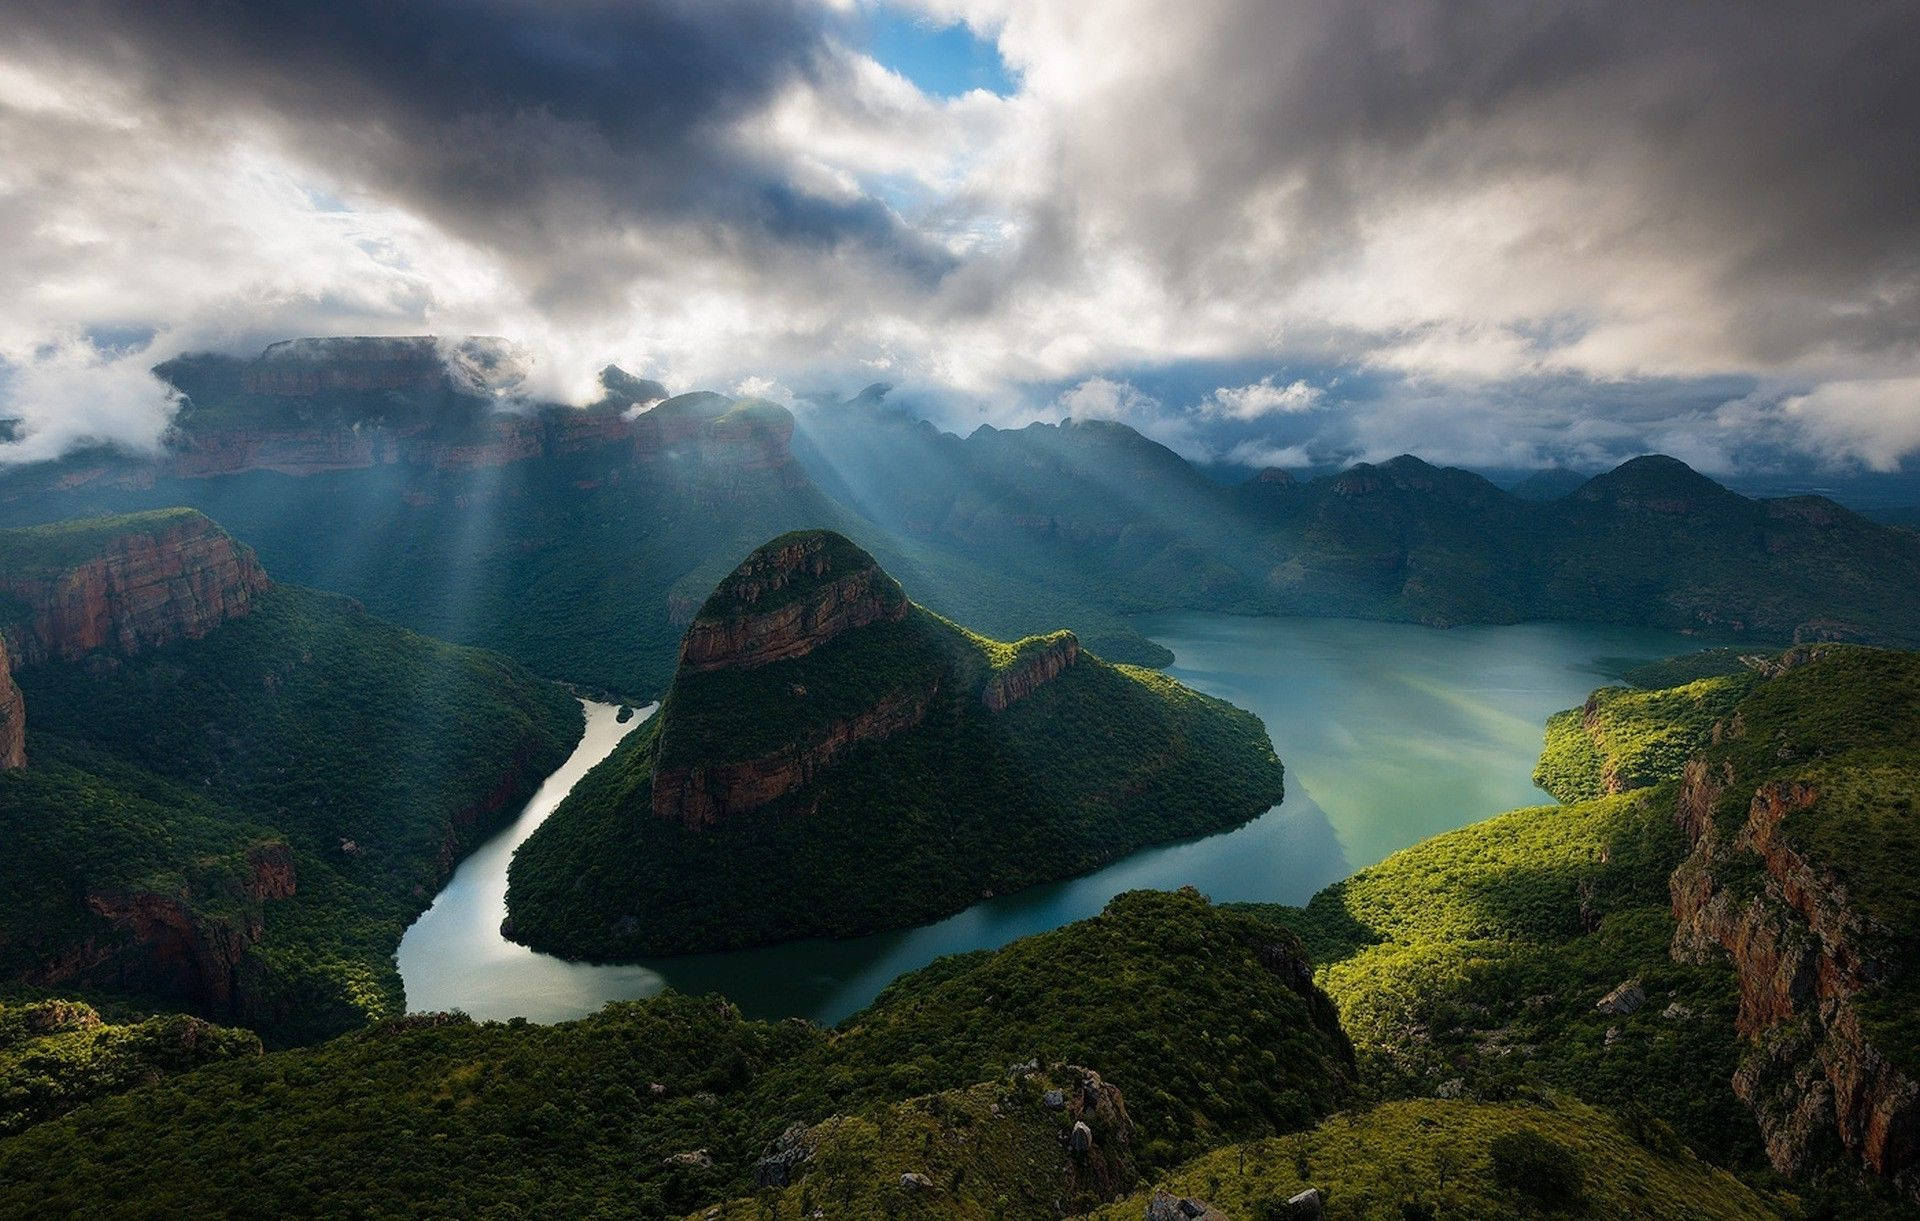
<point x="1498" y="234"/>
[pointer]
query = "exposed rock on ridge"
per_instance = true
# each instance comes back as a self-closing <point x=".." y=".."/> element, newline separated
<point x="1031" y="672"/>
<point x="789" y="598"/>
<point x="166" y="577"/>
<point x="702" y="796"/>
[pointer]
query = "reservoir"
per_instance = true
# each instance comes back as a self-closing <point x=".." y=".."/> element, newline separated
<point x="1390" y="733"/>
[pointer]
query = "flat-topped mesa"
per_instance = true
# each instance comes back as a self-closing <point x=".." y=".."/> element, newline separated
<point x="121" y="583"/>
<point x="1039" y="663"/>
<point x="789" y="598"/>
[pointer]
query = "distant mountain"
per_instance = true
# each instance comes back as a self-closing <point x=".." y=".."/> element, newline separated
<point x="577" y="540"/>
<point x="406" y="474"/>
<point x="237" y="794"/>
<point x="1549" y="484"/>
<point x="833" y="759"/>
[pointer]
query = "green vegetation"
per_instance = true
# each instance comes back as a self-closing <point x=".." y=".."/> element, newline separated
<point x="52" y="549"/>
<point x="57" y="1054"/>
<point x="1436" y="1159"/>
<point x="1681" y="670"/>
<point x="1625" y="739"/>
<point x="884" y="833"/>
<point x="1203" y="1017"/>
<point x="440" y="1116"/>
<point x="304" y="745"/>
<point x="1474" y="960"/>
<point x="988" y="1151"/>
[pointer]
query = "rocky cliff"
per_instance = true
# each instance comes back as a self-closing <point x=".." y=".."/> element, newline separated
<point x="789" y="598"/>
<point x="701" y="795"/>
<point x="1031" y="670"/>
<point x="13" y="716"/>
<point x="172" y="943"/>
<point x="1810" y="958"/>
<point x="121" y="584"/>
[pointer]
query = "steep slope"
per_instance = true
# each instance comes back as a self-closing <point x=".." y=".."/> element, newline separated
<point x="1803" y="873"/>
<point x="1726" y="942"/>
<point x="240" y="793"/>
<point x="832" y="759"/>
<point x="676" y="1104"/>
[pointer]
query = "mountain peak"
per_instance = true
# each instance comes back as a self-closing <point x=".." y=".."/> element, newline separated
<point x="789" y="597"/>
<point x="1654" y="482"/>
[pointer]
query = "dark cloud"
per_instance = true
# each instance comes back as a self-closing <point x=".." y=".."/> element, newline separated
<point x="584" y="142"/>
<point x="1772" y="149"/>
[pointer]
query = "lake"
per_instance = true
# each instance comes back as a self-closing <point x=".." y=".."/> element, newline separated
<point x="1390" y="733"/>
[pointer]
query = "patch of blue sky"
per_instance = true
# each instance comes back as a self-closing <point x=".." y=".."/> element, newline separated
<point x="941" y="60"/>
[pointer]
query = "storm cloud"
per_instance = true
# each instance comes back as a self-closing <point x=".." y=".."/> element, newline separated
<point x="1517" y="232"/>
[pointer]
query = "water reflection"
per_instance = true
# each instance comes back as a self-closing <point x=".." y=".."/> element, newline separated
<point x="1390" y="733"/>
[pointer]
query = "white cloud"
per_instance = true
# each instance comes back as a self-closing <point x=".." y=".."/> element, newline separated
<point x="1876" y="423"/>
<point x="1262" y="398"/>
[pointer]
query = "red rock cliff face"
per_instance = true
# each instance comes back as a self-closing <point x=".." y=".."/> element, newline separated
<point x="1031" y="672"/>
<point x="789" y="598"/>
<point x="13" y="716"/>
<point x="741" y="636"/>
<point x="704" y="795"/>
<point x="148" y="587"/>
<point x="1797" y="950"/>
<point x="162" y="944"/>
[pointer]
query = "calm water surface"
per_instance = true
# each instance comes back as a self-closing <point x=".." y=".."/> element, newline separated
<point x="1390" y="733"/>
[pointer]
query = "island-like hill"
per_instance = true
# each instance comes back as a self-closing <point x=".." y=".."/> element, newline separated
<point x="236" y="794"/>
<point x="833" y="759"/>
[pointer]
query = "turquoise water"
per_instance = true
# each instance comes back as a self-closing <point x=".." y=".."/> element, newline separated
<point x="1390" y="733"/>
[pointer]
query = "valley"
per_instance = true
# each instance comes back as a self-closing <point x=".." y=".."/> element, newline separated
<point x="1142" y="891"/>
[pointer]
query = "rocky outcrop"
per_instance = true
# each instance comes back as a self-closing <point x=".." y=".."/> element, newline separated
<point x="1030" y="671"/>
<point x="1099" y="1137"/>
<point x="13" y="716"/>
<point x="1801" y="955"/>
<point x="702" y="795"/>
<point x="789" y="598"/>
<point x="166" y="577"/>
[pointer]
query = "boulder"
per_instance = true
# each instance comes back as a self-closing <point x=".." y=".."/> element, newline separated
<point x="1623" y="1000"/>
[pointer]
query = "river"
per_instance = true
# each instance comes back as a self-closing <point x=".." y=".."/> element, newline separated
<point x="1390" y="733"/>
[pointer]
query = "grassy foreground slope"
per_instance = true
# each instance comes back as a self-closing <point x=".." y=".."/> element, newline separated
<point x="966" y="800"/>
<point x="1435" y="1159"/>
<point x="246" y="823"/>
<point x="663" y="1106"/>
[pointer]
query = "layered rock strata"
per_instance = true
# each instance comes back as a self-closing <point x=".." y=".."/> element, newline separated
<point x="176" y="578"/>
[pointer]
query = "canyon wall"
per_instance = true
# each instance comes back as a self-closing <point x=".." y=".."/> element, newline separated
<point x="13" y="716"/>
<point x="702" y="795"/>
<point x="166" y="577"/>
<point x="1801" y="955"/>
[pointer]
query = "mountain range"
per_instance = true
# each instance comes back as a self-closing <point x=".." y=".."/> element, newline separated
<point x="582" y="540"/>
